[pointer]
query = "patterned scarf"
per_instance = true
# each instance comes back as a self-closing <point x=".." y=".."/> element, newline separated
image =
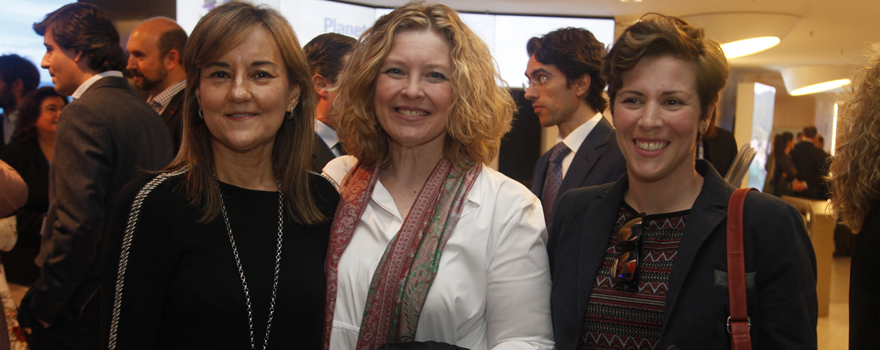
<point x="406" y="270"/>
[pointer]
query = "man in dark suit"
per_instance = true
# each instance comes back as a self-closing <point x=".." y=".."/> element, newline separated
<point x="156" y="48"/>
<point x="327" y="54"/>
<point x="565" y="87"/>
<point x="811" y="163"/>
<point x="105" y="137"/>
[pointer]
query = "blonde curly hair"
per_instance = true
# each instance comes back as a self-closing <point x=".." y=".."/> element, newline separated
<point x="855" y="179"/>
<point x="481" y="111"/>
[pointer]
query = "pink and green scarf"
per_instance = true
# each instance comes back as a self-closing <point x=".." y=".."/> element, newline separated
<point x="406" y="270"/>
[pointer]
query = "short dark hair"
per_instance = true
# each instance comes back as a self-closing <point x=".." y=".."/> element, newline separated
<point x="325" y="53"/>
<point x="88" y="29"/>
<point x="575" y="51"/>
<point x="656" y="35"/>
<point x="173" y="39"/>
<point x="13" y="67"/>
<point x="810" y="131"/>
<point x="29" y="112"/>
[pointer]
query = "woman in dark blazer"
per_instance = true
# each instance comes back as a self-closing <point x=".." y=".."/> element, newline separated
<point x="31" y="150"/>
<point x="641" y="263"/>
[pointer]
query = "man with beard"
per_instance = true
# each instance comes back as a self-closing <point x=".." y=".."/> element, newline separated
<point x="18" y="77"/>
<point x="156" y="47"/>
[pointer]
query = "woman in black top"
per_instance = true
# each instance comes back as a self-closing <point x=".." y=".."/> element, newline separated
<point x="30" y="153"/>
<point x="784" y="173"/>
<point x="855" y="196"/>
<point x="225" y="248"/>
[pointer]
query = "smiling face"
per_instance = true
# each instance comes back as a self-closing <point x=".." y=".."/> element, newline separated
<point x="244" y="95"/>
<point x="50" y="109"/>
<point x="657" y="116"/>
<point x="555" y="102"/>
<point x="62" y="65"/>
<point x="413" y="92"/>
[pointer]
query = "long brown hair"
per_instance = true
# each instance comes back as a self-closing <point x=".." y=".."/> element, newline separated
<point x="217" y="33"/>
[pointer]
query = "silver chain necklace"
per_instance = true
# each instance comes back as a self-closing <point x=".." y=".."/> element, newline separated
<point x="247" y="296"/>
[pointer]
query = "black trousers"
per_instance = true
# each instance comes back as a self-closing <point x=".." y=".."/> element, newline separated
<point x="65" y="333"/>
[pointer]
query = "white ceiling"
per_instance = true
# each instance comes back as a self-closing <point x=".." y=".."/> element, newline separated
<point x="829" y="32"/>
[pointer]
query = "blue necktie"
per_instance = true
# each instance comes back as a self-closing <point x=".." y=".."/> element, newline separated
<point x="554" y="178"/>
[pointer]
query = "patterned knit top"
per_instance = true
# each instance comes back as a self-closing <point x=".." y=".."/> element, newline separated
<point x="626" y="315"/>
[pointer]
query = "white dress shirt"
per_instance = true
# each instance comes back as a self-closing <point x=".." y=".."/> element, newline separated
<point x="328" y="135"/>
<point x="576" y="138"/>
<point x="88" y="83"/>
<point x="492" y="290"/>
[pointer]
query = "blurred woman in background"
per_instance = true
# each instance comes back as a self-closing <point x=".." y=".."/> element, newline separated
<point x="30" y="153"/>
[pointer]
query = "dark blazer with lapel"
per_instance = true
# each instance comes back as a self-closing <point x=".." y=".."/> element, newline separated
<point x="173" y="117"/>
<point x="104" y="139"/>
<point x="779" y="256"/>
<point x="321" y="154"/>
<point x="598" y="161"/>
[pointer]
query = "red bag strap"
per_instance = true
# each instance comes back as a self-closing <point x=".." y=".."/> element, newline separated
<point x="738" y="323"/>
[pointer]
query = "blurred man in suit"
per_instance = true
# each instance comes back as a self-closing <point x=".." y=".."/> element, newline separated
<point x="565" y="87"/>
<point x="327" y="54"/>
<point x="811" y="163"/>
<point x="156" y="47"/>
<point x="104" y="138"/>
<point x="18" y="77"/>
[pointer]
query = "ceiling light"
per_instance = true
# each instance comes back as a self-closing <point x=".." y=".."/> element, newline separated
<point x="828" y="85"/>
<point x="803" y="80"/>
<point x="748" y="46"/>
<point x="738" y="29"/>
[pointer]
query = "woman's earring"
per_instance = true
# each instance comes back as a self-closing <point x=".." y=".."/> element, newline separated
<point x="200" y="114"/>
<point x="289" y="114"/>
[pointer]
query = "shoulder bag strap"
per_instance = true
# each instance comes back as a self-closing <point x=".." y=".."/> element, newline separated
<point x="738" y="323"/>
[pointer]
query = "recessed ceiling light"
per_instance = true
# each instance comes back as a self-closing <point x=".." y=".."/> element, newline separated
<point x="748" y="46"/>
<point x="828" y="85"/>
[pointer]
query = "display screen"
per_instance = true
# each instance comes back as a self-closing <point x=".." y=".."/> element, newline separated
<point x="506" y="35"/>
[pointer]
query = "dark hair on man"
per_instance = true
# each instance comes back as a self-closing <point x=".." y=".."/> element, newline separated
<point x="325" y="53"/>
<point x="810" y="131"/>
<point x="575" y="52"/>
<point x="13" y="67"/>
<point x="30" y="111"/>
<point x="88" y="29"/>
<point x="173" y="39"/>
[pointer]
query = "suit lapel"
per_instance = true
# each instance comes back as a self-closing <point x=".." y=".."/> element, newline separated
<point x="597" y="226"/>
<point x="586" y="157"/>
<point x="707" y="214"/>
<point x="321" y="154"/>
<point x="541" y="175"/>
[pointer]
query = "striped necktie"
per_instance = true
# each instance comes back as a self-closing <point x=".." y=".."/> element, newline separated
<point x="554" y="178"/>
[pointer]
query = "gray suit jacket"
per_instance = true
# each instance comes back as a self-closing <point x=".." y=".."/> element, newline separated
<point x="598" y="161"/>
<point x="104" y="139"/>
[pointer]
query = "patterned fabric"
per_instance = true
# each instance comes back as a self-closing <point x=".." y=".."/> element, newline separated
<point x="626" y="316"/>
<point x="554" y="178"/>
<point x="402" y="279"/>
<point x="160" y="101"/>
